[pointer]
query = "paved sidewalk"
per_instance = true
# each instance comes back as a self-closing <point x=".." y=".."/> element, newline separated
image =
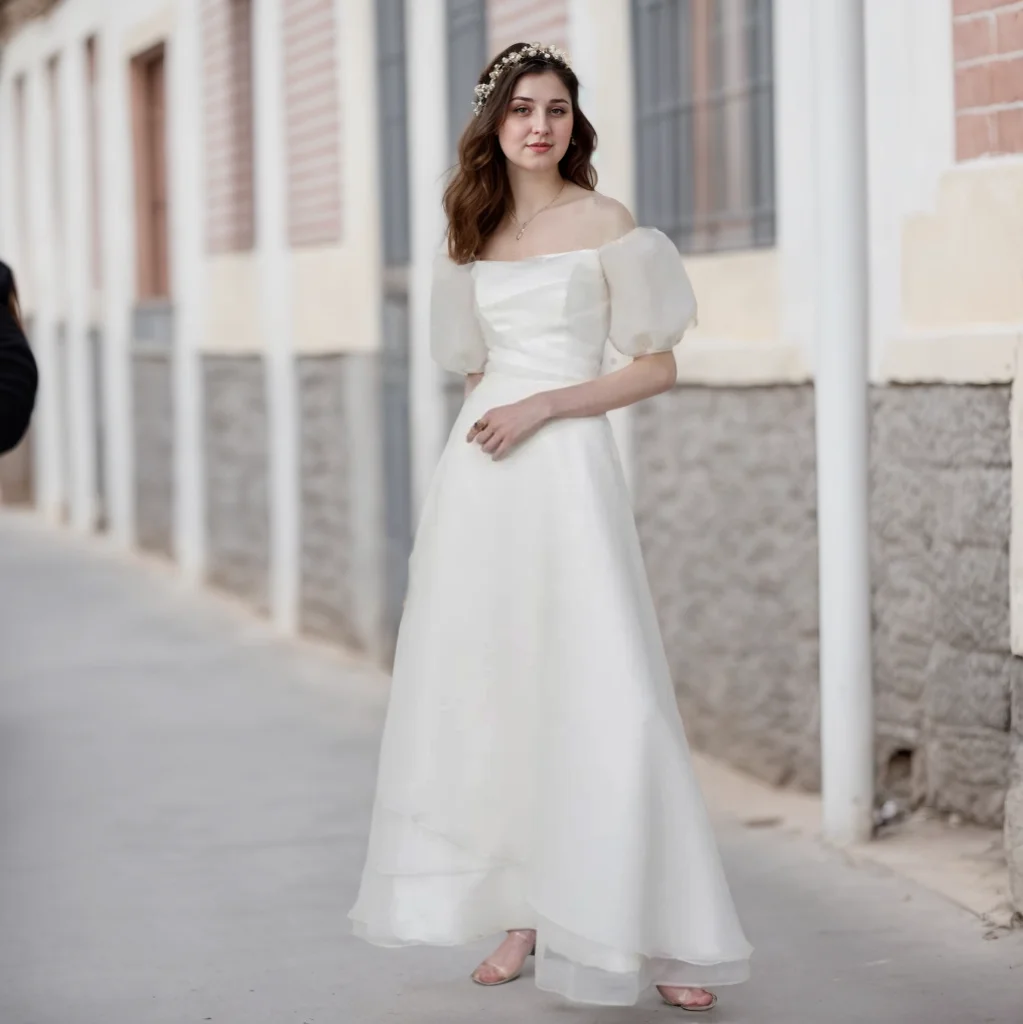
<point x="183" y="805"/>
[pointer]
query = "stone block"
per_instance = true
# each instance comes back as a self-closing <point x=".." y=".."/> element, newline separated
<point x="726" y="508"/>
<point x="1016" y="694"/>
<point x="153" y="442"/>
<point x="973" y="505"/>
<point x="941" y="425"/>
<point x="967" y="772"/>
<point x="236" y="438"/>
<point x="968" y="689"/>
<point x="972" y="594"/>
<point x="1014" y="824"/>
<point x="326" y="584"/>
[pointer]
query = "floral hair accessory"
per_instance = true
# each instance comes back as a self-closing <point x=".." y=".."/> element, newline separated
<point x="551" y="53"/>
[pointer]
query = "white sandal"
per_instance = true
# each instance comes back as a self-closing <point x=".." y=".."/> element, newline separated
<point x="690" y="1008"/>
<point x="505" y="977"/>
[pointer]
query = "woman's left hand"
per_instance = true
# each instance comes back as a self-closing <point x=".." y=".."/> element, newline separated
<point x="500" y="429"/>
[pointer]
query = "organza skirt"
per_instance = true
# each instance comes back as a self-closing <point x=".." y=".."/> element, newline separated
<point x="534" y="771"/>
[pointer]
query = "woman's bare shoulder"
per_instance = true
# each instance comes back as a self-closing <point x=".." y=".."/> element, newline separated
<point x="605" y="219"/>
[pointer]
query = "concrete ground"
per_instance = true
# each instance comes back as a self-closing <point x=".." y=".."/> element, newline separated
<point x="183" y="807"/>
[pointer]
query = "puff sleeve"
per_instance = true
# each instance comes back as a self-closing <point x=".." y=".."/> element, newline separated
<point x="456" y="339"/>
<point x="652" y="301"/>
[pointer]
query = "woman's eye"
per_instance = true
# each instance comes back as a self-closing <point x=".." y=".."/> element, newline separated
<point x="521" y="110"/>
<point x="560" y="111"/>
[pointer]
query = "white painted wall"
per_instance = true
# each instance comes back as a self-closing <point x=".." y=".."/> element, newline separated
<point x="276" y="291"/>
<point x="188" y="284"/>
<point x="427" y="124"/>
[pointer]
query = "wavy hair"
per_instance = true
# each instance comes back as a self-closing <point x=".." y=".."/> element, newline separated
<point x="478" y="196"/>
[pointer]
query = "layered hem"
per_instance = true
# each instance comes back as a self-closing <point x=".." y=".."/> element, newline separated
<point x="567" y="964"/>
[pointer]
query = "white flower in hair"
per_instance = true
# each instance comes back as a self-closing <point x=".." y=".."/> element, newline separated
<point x="550" y="53"/>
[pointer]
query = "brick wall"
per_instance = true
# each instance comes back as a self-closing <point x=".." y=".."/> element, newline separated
<point x="988" y="39"/>
<point x="527" y="21"/>
<point x="227" y="69"/>
<point x="313" y="119"/>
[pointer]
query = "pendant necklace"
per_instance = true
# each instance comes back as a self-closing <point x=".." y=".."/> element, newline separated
<point x="525" y="224"/>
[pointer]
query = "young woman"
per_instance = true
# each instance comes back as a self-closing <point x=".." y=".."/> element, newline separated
<point x="18" y="374"/>
<point x="534" y="775"/>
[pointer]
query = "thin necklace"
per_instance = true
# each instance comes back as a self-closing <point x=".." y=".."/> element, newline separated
<point x="525" y="224"/>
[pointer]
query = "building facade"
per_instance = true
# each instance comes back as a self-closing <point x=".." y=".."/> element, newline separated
<point x="223" y="215"/>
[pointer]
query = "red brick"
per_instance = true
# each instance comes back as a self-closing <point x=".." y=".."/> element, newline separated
<point x="973" y="38"/>
<point x="973" y="86"/>
<point x="227" y="56"/>
<point x="312" y="122"/>
<point x="1007" y="80"/>
<point x="1009" y="128"/>
<point x="528" y="21"/>
<point x="1009" y="31"/>
<point x="974" y="135"/>
<point x="961" y="7"/>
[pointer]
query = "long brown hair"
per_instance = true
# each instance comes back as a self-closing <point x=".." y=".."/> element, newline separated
<point x="478" y="197"/>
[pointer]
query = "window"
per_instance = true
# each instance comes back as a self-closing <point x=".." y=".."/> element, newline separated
<point x="148" y="103"/>
<point x="228" y="106"/>
<point x="391" y="76"/>
<point x="467" y="53"/>
<point x="705" y="132"/>
<point x="92" y="127"/>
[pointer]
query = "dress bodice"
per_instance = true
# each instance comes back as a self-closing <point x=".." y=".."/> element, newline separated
<point x="546" y="317"/>
<point x="550" y="316"/>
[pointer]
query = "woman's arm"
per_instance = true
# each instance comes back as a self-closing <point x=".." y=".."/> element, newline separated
<point x="644" y="377"/>
<point x="500" y="429"/>
<point x="471" y="380"/>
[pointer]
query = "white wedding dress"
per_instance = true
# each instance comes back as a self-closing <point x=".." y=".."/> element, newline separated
<point x="534" y="772"/>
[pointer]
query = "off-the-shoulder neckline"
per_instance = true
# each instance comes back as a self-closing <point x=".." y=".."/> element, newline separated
<point x="566" y="252"/>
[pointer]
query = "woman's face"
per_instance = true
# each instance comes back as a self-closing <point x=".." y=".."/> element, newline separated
<point x="537" y="126"/>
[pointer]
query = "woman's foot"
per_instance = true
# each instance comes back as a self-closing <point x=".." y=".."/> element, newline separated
<point x="505" y="963"/>
<point x="687" y="998"/>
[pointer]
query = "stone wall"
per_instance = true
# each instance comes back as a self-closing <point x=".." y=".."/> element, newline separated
<point x="153" y="419"/>
<point x="940" y="505"/>
<point x="327" y="595"/>
<point x="1014" y="796"/>
<point x="726" y="508"/>
<point x="236" y="471"/>
<point x="344" y="556"/>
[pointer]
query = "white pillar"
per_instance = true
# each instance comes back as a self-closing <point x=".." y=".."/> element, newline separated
<point x="847" y="722"/>
<point x="426" y="43"/>
<point x="117" y="240"/>
<point x="185" y="174"/>
<point x="49" y="469"/>
<point x="80" y="411"/>
<point x="600" y="48"/>
<point x="275" y="267"/>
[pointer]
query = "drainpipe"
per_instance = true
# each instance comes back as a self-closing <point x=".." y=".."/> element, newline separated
<point x="847" y="713"/>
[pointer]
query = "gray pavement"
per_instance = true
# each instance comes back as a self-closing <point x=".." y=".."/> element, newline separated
<point x="183" y="806"/>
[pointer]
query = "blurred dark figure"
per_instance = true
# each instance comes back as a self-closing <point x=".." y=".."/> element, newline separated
<point x="18" y="375"/>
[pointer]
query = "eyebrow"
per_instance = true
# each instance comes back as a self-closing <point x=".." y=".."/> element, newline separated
<point x="529" y="99"/>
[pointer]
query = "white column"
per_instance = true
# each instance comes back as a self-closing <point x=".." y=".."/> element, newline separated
<point x="275" y="266"/>
<point x="185" y="154"/>
<point x="847" y="721"/>
<point x="49" y="472"/>
<point x="80" y="409"/>
<point x="600" y="47"/>
<point x="117" y="237"/>
<point x="428" y="161"/>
